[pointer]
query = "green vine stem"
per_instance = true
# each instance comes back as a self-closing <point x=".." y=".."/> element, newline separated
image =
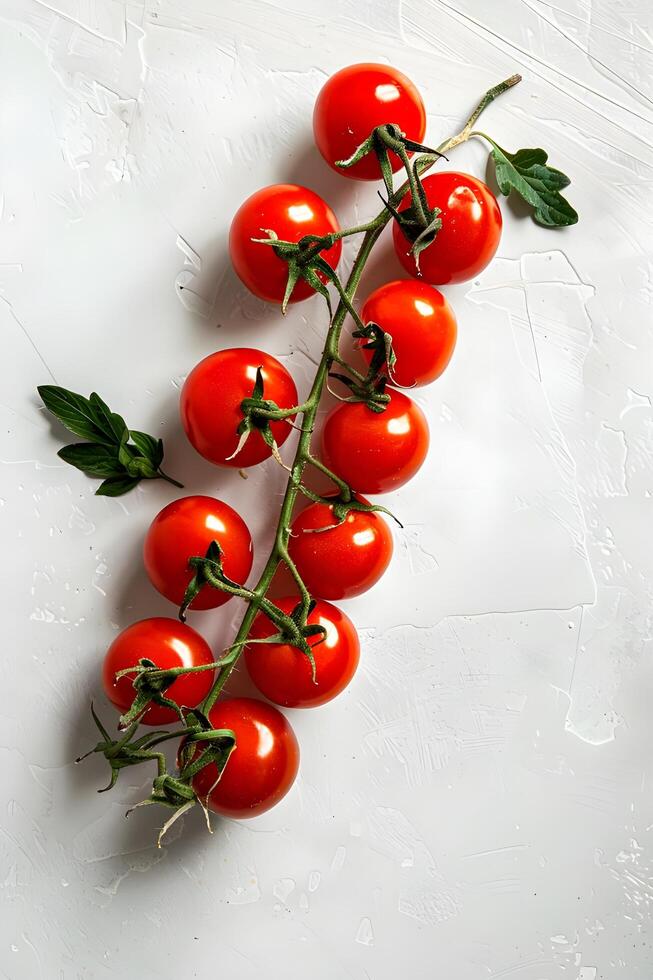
<point x="303" y="456"/>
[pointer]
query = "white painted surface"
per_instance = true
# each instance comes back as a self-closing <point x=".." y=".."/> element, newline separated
<point x="479" y="804"/>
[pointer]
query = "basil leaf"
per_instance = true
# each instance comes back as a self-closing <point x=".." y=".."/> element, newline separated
<point x="528" y="173"/>
<point x="75" y="412"/>
<point x="148" y="446"/>
<point x="93" y="458"/>
<point x="116" y="486"/>
<point x="108" y="421"/>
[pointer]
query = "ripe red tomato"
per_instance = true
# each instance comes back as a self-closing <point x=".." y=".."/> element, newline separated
<point x="290" y="211"/>
<point x="212" y="396"/>
<point x="283" y="673"/>
<point x="184" y="529"/>
<point x="375" y="452"/>
<point x="470" y="233"/>
<point x="422" y="326"/>
<point x="262" y="767"/>
<point x="167" y="643"/>
<point x="355" y="101"/>
<point x="343" y="561"/>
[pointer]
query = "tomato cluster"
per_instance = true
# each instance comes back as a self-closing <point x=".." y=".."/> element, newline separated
<point x="237" y="407"/>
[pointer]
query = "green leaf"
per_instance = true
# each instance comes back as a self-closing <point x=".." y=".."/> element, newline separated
<point x="106" y="420"/>
<point x="148" y="446"/>
<point x="109" y="454"/>
<point x="75" y="412"/>
<point x="528" y="173"/>
<point x="93" y="458"/>
<point x="117" y="485"/>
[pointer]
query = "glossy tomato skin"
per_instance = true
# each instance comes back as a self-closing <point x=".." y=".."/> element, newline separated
<point x="262" y="767"/>
<point x="470" y="233"/>
<point x="292" y="212"/>
<point x="167" y="643"/>
<point x="211" y="399"/>
<point x="283" y="673"/>
<point x="422" y="326"/>
<point x="375" y="452"/>
<point x="343" y="561"/>
<point x="184" y="529"/>
<point x="355" y="101"/>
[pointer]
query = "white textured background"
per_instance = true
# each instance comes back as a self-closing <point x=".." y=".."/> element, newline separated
<point x="479" y="804"/>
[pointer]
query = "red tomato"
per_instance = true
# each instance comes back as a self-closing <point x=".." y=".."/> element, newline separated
<point x="470" y="233"/>
<point x="355" y="101"/>
<point x="262" y="767"/>
<point x="167" y="643"/>
<point x="343" y="561"/>
<point x="291" y="212"/>
<point x="376" y="451"/>
<point x="184" y="529"/>
<point x="422" y="326"/>
<point x="212" y="396"/>
<point x="283" y="673"/>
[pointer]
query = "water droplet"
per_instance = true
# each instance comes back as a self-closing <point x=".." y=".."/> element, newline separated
<point x="365" y="934"/>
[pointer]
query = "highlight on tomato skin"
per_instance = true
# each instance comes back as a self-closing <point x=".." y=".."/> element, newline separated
<point x="291" y="212"/>
<point x="283" y="673"/>
<point x="353" y="102"/>
<point x="211" y="399"/>
<point x="184" y="529"/>
<point x="422" y="325"/>
<point x="263" y="765"/>
<point x="339" y="561"/>
<point x="470" y="232"/>
<point x="375" y="452"/>
<point x="167" y="643"/>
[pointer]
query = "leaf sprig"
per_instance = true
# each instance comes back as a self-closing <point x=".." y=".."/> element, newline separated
<point x="528" y="173"/>
<point x="119" y="456"/>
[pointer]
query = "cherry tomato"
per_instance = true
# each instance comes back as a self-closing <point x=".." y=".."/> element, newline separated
<point x="376" y="451"/>
<point x="262" y="767"/>
<point x="422" y="326"/>
<point x="283" y="673"/>
<point x="184" y="529"/>
<point x="290" y="211"/>
<point x="470" y="233"/>
<point x="355" y="101"/>
<point x="342" y="561"/>
<point x="212" y="396"/>
<point x="167" y="643"/>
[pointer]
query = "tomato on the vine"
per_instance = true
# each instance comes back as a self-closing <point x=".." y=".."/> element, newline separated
<point x="184" y="529"/>
<point x="422" y="326"/>
<point x="291" y="212"/>
<point x="283" y="673"/>
<point x="211" y="401"/>
<point x="355" y="101"/>
<point x="470" y="232"/>
<point x="339" y="561"/>
<point x="167" y="643"/>
<point x="375" y="452"/>
<point x="261" y="768"/>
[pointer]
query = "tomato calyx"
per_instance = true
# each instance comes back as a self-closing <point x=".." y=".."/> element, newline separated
<point x="295" y="630"/>
<point x="151" y="683"/>
<point x="341" y="507"/>
<point x="380" y="343"/>
<point x="209" y="571"/>
<point x="304" y="260"/>
<point x="173" y="791"/>
<point x="419" y="222"/>
<point x="382" y="140"/>
<point x="370" y="388"/>
<point x="258" y="412"/>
